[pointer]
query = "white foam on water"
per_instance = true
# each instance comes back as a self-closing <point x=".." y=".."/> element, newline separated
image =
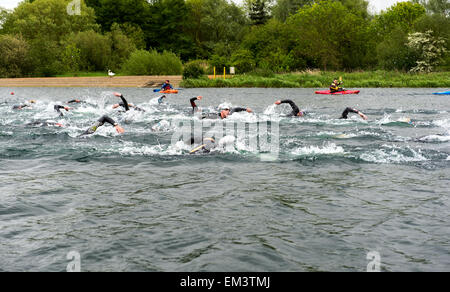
<point x="130" y="148"/>
<point x="392" y="154"/>
<point x="445" y="123"/>
<point x="435" y="138"/>
<point x="327" y="148"/>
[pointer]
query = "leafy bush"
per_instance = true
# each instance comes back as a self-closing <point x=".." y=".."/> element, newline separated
<point x="193" y="70"/>
<point x="13" y="56"/>
<point x="243" y="61"/>
<point x="95" y="50"/>
<point x="143" y="62"/>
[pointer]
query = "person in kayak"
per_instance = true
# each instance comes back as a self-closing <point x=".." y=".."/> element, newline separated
<point x="166" y="86"/>
<point x="125" y="104"/>
<point x="194" y="106"/>
<point x="335" y="86"/>
<point x="58" y="109"/>
<point x="352" y="110"/>
<point x="22" y="106"/>
<point x="101" y="122"/>
<point x="296" y="112"/>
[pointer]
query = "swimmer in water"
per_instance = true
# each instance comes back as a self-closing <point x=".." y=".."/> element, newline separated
<point x="161" y="99"/>
<point x="296" y="112"/>
<point x="125" y="104"/>
<point x="226" y="112"/>
<point x="194" y="106"/>
<point x="353" y="110"/>
<point x="75" y="101"/>
<point x="22" y="106"/>
<point x="45" y="124"/>
<point x="207" y="144"/>
<point x="58" y="108"/>
<point x="101" y="122"/>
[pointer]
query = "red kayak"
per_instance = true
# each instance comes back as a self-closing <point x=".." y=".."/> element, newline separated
<point x="339" y="92"/>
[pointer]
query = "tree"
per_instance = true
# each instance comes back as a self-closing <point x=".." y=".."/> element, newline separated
<point x="437" y="7"/>
<point x="285" y="8"/>
<point x="166" y="29"/>
<point x="214" y="23"/>
<point x="393" y="54"/>
<point x="333" y="41"/>
<point x="357" y="7"/>
<point x="402" y="14"/>
<point x="3" y="15"/>
<point x="14" y="61"/>
<point x="272" y="46"/>
<point x="135" y="12"/>
<point x="121" y="47"/>
<point x="95" y="50"/>
<point x="429" y="49"/>
<point x="48" y="20"/>
<point x="258" y="11"/>
<point x="71" y="58"/>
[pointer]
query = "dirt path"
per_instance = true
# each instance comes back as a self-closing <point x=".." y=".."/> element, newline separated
<point x="118" y="81"/>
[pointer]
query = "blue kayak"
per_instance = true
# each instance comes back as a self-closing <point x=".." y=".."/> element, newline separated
<point x="442" y="93"/>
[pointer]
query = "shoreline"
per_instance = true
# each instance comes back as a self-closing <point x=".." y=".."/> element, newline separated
<point x="100" y="82"/>
<point x="351" y="80"/>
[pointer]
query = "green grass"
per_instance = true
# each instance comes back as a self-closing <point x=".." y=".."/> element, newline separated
<point x="369" y="79"/>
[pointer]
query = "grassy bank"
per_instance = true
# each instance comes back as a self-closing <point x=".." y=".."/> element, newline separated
<point x="372" y="79"/>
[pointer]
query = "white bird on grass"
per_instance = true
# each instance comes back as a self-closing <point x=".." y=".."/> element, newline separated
<point x="111" y="74"/>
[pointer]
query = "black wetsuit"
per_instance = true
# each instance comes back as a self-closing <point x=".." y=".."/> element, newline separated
<point x="237" y="110"/>
<point x="58" y="109"/>
<point x="194" y="106"/>
<point x="126" y="105"/>
<point x="17" y="107"/>
<point x="43" y="124"/>
<point x="347" y="111"/>
<point x="98" y="124"/>
<point x="161" y="99"/>
<point x="214" y="116"/>
<point x="75" y="101"/>
<point x="295" y="109"/>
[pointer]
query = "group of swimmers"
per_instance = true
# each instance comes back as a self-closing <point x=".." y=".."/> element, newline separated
<point x="206" y="144"/>
<point x="296" y="112"/>
<point x="91" y="130"/>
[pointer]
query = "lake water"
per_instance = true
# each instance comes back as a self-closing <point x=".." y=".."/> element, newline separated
<point x="337" y="189"/>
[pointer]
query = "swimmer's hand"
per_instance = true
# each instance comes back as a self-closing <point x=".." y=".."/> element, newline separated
<point x="119" y="129"/>
<point x="363" y="116"/>
<point x="117" y="94"/>
<point x="249" y="110"/>
<point x="278" y="102"/>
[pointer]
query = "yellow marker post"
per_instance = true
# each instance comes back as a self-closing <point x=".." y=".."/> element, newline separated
<point x="214" y="72"/>
<point x="224" y="73"/>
